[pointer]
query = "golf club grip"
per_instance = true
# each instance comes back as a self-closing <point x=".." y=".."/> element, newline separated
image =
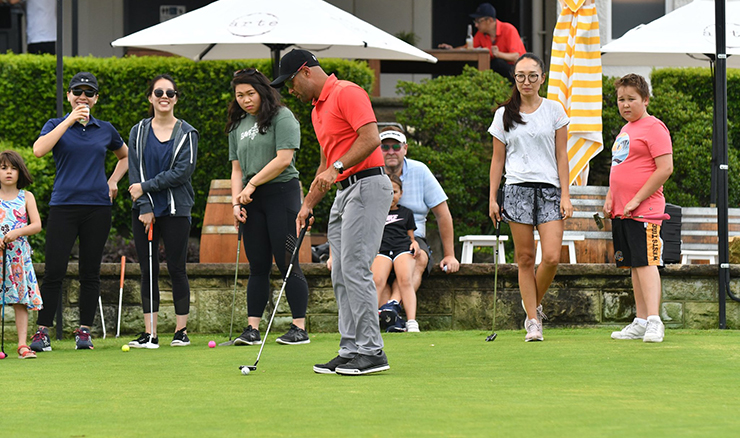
<point x="151" y="230"/>
<point x="664" y="216"/>
<point x="239" y="232"/>
<point x="123" y="269"/>
<point x="299" y="242"/>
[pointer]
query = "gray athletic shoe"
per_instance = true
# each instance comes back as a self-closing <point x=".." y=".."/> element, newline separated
<point x="40" y="341"/>
<point x="82" y="339"/>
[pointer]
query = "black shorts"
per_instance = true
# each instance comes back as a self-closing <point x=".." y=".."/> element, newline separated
<point x="393" y="251"/>
<point x="636" y="243"/>
<point x="423" y="246"/>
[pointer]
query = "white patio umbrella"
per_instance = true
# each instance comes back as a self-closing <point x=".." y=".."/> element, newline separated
<point x="248" y="29"/>
<point x="684" y="37"/>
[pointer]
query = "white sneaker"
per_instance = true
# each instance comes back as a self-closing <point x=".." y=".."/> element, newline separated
<point x="534" y="331"/>
<point x="632" y="331"/>
<point x="540" y="314"/>
<point x="412" y="326"/>
<point x="654" y="332"/>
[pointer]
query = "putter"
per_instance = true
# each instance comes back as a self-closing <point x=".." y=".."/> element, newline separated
<point x="492" y="336"/>
<point x="151" y="285"/>
<point x="236" y="277"/>
<point x="120" y="295"/>
<point x="293" y="259"/>
<point x="600" y="221"/>
<point x="2" y="347"/>
<point x="102" y="318"/>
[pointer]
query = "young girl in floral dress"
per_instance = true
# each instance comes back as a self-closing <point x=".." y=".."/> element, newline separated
<point x="19" y="218"/>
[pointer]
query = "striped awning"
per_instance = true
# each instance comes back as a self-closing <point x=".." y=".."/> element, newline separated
<point x="575" y="82"/>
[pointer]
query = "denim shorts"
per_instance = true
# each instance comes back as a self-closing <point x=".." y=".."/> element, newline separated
<point x="531" y="203"/>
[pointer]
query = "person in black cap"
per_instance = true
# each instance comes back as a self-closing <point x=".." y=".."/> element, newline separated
<point x="501" y="39"/>
<point x="347" y="132"/>
<point x="80" y="204"/>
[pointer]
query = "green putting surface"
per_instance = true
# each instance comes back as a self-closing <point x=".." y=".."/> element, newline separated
<point x="578" y="383"/>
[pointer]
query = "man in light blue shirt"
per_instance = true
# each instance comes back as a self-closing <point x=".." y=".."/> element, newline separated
<point x="421" y="193"/>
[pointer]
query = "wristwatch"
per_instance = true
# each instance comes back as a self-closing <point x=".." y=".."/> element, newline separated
<point x="339" y="166"/>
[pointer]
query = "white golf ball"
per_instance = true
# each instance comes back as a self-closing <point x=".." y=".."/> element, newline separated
<point x="245" y="370"/>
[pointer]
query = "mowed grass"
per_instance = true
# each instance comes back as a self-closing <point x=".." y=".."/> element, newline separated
<point x="578" y="383"/>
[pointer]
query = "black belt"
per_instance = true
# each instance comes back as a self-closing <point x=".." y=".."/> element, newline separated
<point x="343" y="184"/>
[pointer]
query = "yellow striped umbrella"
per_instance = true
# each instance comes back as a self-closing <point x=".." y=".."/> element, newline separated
<point x="575" y="82"/>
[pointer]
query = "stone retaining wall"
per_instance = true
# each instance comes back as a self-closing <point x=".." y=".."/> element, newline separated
<point x="581" y="295"/>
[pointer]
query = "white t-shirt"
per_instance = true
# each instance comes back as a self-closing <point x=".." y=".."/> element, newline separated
<point x="41" y="21"/>
<point x="530" y="148"/>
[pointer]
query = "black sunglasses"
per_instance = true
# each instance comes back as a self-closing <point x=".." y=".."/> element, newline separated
<point x="160" y="92"/>
<point x="246" y="71"/>
<point x="79" y="91"/>
<point x="396" y="147"/>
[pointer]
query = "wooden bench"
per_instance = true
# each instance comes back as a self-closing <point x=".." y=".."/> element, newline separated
<point x="569" y="240"/>
<point x="699" y="238"/>
<point x="471" y="241"/>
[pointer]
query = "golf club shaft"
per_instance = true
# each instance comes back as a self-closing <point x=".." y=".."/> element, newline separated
<point x="236" y="277"/>
<point x="293" y="259"/>
<point x="102" y="318"/>
<point x="151" y="285"/>
<point x="120" y="295"/>
<point x="2" y="290"/>
<point x="495" y="273"/>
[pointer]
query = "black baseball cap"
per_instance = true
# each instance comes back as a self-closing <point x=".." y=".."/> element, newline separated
<point x="484" y="10"/>
<point x="291" y="62"/>
<point x="84" y="78"/>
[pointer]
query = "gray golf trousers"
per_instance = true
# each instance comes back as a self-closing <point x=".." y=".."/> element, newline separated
<point x="355" y="229"/>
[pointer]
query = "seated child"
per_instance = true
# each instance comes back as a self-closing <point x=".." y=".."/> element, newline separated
<point x="397" y="252"/>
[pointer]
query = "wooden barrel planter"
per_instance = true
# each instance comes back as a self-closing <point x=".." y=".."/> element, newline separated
<point x="218" y="237"/>
<point x="598" y="246"/>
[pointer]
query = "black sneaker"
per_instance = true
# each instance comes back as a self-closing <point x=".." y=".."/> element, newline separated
<point x="388" y="314"/>
<point x="143" y="341"/>
<point x="295" y="336"/>
<point x="331" y="366"/>
<point x="364" y="364"/>
<point x="250" y="336"/>
<point x="40" y="341"/>
<point x="181" y="338"/>
<point x="82" y="339"/>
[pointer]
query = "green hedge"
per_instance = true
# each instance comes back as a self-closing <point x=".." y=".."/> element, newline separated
<point x="449" y="118"/>
<point x="28" y="94"/>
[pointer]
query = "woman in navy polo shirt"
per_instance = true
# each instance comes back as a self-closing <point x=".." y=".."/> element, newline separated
<point x="80" y="205"/>
<point x="162" y="160"/>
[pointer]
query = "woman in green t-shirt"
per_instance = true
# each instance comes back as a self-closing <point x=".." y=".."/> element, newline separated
<point x="266" y="196"/>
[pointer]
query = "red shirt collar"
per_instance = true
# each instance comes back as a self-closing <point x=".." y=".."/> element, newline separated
<point x="329" y="85"/>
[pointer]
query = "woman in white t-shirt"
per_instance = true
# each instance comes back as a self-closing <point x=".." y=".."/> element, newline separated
<point x="530" y="138"/>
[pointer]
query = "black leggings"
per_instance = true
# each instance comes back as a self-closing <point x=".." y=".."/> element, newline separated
<point x="174" y="231"/>
<point x="65" y="224"/>
<point x="270" y="219"/>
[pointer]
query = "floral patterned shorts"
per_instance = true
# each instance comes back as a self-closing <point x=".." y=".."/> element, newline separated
<point x="531" y="203"/>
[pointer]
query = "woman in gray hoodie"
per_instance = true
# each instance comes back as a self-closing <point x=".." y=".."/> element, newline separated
<point x="161" y="163"/>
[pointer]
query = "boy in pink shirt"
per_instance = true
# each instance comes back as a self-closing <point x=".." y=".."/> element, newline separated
<point x="642" y="160"/>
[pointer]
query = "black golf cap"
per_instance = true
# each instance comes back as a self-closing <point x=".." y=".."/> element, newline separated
<point x="84" y="78"/>
<point x="484" y="10"/>
<point x="291" y="62"/>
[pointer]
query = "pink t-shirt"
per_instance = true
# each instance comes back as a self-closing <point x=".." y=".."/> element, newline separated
<point x="633" y="161"/>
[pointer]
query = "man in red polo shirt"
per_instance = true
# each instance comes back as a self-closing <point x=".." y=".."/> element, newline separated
<point x="501" y="39"/>
<point x="347" y="132"/>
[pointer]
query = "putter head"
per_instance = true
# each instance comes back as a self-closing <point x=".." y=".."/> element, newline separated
<point x="226" y="344"/>
<point x="252" y="367"/>
<point x="599" y="221"/>
<point x="492" y="337"/>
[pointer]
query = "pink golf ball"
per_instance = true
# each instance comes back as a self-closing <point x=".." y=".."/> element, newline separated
<point x="212" y="344"/>
<point x="2" y="355"/>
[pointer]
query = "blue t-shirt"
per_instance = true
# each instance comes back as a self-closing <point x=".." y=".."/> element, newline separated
<point x="421" y="192"/>
<point x="157" y="157"/>
<point x="80" y="162"/>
